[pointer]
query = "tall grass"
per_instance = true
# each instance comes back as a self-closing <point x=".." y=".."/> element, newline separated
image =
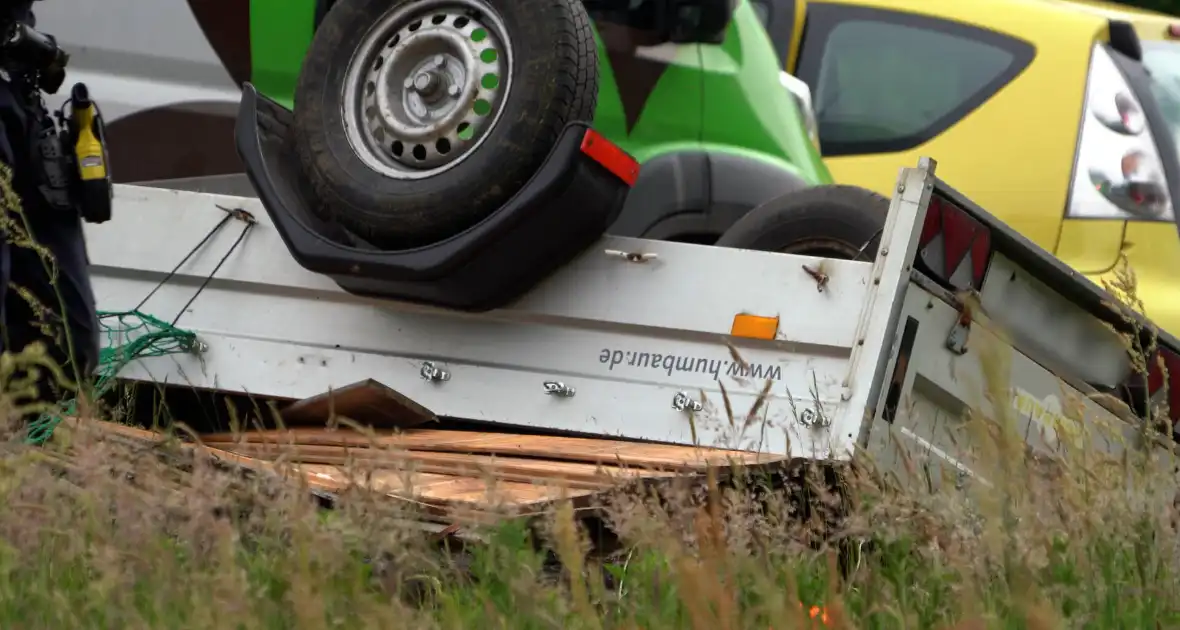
<point x="100" y="532"/>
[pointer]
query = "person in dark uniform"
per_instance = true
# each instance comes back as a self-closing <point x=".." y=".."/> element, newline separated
<point x="63" y="313"/>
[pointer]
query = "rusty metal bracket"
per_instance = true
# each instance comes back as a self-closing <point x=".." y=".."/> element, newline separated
<point x="956" y="339"/>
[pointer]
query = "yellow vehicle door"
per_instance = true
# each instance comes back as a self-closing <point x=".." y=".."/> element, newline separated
<point x="894" y="80"/>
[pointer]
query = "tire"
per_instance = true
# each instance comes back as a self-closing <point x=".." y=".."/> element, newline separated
<point x="842" y="222"/>
<point x="552" y="78"/>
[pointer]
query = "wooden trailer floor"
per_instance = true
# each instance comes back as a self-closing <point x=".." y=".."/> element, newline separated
<point x="475" y="469"/>
<point x="470" y="473"/>
<point x="446" y="471"/>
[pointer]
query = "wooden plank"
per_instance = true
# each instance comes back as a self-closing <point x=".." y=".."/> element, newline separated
<point x="446" y="489"/>
<point x="479" y="494"/>
<point x="152" y="437"/>
<point x="576" y="474"/>
<point x="590" y="450"/>
<point x="368" y="402"/>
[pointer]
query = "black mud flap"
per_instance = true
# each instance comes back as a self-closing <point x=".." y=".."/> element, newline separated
<point x="562" y="210"/>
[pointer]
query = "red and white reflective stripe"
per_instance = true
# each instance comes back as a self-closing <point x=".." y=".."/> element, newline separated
<point x="954" y="246"/>
<point x="1156" y="382"/>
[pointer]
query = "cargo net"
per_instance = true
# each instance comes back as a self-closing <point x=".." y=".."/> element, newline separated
<point x="132" y="335"/>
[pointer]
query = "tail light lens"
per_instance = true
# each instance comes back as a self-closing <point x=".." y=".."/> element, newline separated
<point x="1142" y="189"/>
<point x="1120" y="113"/>
<point x="1119" y="174"/>
<point x="954" y="248"/>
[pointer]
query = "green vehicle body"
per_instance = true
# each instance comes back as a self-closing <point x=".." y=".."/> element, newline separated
<point x="714" y="108"/>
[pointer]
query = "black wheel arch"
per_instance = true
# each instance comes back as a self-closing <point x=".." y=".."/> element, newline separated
<point x="696" y="195"/>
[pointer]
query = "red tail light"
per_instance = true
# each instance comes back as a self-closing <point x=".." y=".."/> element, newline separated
<point x="954" y="247"/>
<point x="610" y="156"/>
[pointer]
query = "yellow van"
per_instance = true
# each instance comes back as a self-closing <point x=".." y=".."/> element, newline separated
<point x="1061" y="117"/>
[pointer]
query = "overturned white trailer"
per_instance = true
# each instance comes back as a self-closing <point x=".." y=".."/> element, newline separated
<point x="770" y="356"/>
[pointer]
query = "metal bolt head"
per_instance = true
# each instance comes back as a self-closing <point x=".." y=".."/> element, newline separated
<point x="423" y="81"/>
<point x="809" y="418"/>
<point x="431" y="372"/>
<point x="439" y="61"/>
<point x="453" y="90"/>
<point x="557" y="388"/>
<point x="408" y="83"/>
<point x="681" y="402"/>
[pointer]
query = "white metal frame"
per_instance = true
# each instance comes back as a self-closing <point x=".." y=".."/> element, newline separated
<point x="271" y="328"/>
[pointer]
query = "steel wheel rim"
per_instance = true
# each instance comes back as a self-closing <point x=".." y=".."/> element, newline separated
<point x="426" y="86"/>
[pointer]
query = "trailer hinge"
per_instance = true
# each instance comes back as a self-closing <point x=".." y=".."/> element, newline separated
<point x="956" y="339"/>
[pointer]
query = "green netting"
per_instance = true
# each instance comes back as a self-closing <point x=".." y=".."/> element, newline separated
<point x="130" y="335"/>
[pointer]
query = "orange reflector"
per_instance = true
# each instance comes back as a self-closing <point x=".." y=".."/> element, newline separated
<point x="754" y="327"/>
<point x="610" y="156"/>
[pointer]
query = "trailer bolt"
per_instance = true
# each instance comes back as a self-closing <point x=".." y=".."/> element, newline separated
<point x="809" y="418"/>
<point x="817" y="274"/>
<point x="681" y="402"/>
<point x="433" y="373"/>
<point x="635" y="257"/>
<point x="557" y="388"/>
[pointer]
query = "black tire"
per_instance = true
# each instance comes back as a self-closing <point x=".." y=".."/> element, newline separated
<point x="554" y="80"/>
<point x="842" y="222"/>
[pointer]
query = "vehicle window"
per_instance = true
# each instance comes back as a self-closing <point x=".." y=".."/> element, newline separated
<point x="885" y="81"/>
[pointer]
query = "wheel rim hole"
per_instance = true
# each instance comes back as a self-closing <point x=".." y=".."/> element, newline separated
<point x="419" y="152"/>
<point x="415" y="26"/>
<point x="461" y="21"/>
<point x="488" y="55"/>
<point x="370" y="88"/>
<point x="438" y="19"/>
<point x="482" y="107"/>
<point x="465" y="131"/>
<point x="397" y="147"/>
<point x="397" y="37"/>
<point x="380" y="61"/>
<point x="489" y="81"/>
<point x="478" y="35"/>
<point x="443" y="146"/>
